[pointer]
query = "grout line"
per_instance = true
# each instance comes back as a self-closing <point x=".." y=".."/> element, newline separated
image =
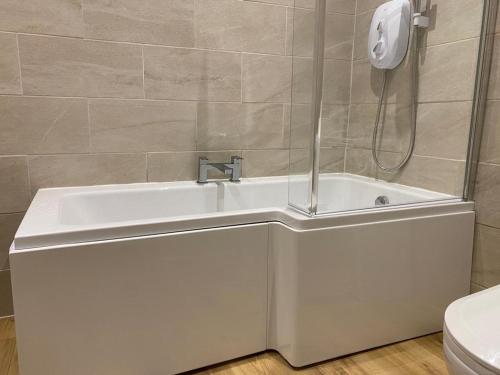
<point x="143" y="73"/>
<point x="19" y="65"/>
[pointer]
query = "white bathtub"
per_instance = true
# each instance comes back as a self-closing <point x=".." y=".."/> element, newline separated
<point x="164" y="278"/>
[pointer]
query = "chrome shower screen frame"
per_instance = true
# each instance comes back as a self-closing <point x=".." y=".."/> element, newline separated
<point x="478" y="105"/>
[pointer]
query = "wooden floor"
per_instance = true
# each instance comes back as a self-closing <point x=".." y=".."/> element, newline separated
<point x="420" y="356"/>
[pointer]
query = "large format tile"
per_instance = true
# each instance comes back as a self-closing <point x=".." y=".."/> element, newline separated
<point x="57" y="17"/>
<point x="490" y="142"/>
<point x="89" y="169"/>
<point x="266" y="78"/>
<point x="263" y="126"/>
<point x="440" y="175"/>
<point x="240" y="26"/>
<point x="331" y="160"/>
<point x="486" y="259"/>
<point x="332" y="6"/>
<point x="147" y="21"/>
<point x="363" y="22"/>
<point x="336" y="81"/>
<point x="139" y="125"/>
<point x="183" y="166"/>
<point x="453" y="20"/>
<point x="367" y="83"/>
<point x="443" y="129"/>
<point x="494" y="83"/>
<point x="14" y="184"/>
<point x="234" y="126"/>
<point x="6" y="305"/>
<point x="334" y="120"/>
<point x="185" y="74"/>
<point x="73" y="67"/>
<point x="8" y="227"/>
<point x="487" y="195"/>
<point x="394" y="127"/>
<point x="219" y="126"/>
<point x="10" y="80"/>
<point x="36" y="125"/>
<point x="364" y="5"/>
<point x="447" y="72"/>
<point x="339" y="34"/>
<point x="265" y="163"/>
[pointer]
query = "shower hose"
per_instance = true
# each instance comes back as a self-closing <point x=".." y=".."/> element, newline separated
<point x="414" y="90"/>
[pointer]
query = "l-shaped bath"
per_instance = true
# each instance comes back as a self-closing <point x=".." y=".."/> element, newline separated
<point x="165" y="278"/>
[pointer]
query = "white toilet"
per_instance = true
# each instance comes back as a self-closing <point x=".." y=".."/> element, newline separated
<point x="472" y="334"/>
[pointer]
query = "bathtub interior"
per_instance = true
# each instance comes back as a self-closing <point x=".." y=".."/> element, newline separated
<point x="339" y="192"/>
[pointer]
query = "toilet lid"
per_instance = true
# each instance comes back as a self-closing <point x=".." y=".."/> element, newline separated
<point x="474" y="324"/>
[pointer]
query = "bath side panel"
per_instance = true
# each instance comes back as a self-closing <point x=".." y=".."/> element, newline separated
<point x="340" y="290"/>
<point x="151" y="305"/>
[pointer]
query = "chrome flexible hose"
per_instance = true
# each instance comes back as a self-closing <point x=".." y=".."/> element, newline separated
<point x="414" y="104"/>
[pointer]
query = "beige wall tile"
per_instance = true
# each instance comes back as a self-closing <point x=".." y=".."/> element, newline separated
<point x="184" y="74"/>
<point x="443" y="129"/>
<point x="332" y="160"/>
<point x="336" y="82"/>
<point x="147" y="21"/>
<point x="300" y="164"/>
<point x="277" y="2"/>
<point x="8" y="227"/>
<point x="10" y="80"/>
<point x="367" y="83"/>
<point x="359" y="161"/>
<point x="13" y="184"/>
<point x="487" y="195"/>
<point x="441" y="175"/>
<point x="490" y="143"/>
<point x="447" y="72"/>
<point x="183" y="166"/>
<point x="364" y="5"/>
<point x="334" y="119"/>
<point x="73" y="67"/>
<point x="302" y="79"/>
<point x="36" y="125"/>
<point x="263" y="126"/>
<point x="337" y="6"/>
<point x="240" y="26"/>
<point x="339" y="34"/>
<point x="57" y="17"/>
<point x="219" y="126"/>
<point x="265" y="163"/>
<point x="266" y="78"/>
<point x="494" y="84"/>
<point x="140" y="125"/>
<point x="233" y="126"/>
<point x="453" y="20"/>
<point x="89" y="169"/>
<point x="486" y="259"/>
<point x="395" y="125"/>
<point x="363" y="22"/>
<point x="300" y="125"/>
<point x="6" y="305"/>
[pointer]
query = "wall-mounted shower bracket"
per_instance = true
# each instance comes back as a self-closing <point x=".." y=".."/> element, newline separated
<point x="420" y="18"/>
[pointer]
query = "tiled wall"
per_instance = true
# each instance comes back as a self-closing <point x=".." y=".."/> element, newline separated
<point x="99" y="91"/>
<point x="447" y="62"/>
<point x="486" y="262"/>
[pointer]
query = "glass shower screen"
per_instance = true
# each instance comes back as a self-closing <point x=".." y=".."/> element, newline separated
<point x="422" y="107"/>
